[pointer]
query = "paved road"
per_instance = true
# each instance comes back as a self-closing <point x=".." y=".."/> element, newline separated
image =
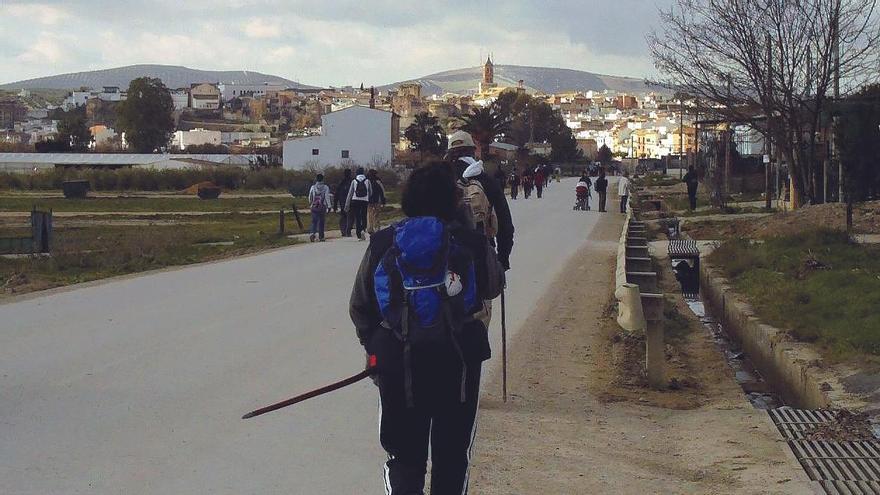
<point x="136" y="386"/>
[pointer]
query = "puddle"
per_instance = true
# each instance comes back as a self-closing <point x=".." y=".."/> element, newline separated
<point x="758" y="391"/>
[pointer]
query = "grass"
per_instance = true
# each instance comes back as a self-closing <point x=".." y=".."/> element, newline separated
<point x="727" y="210"/>
<point x="82" y="254"/>
<point x="656" y="180"/>
<point x="816" y="284"/>
<point x="147" y="203"/>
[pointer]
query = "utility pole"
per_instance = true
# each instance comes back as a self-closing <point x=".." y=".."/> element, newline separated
<point x="681" y="138"/>
<point x="836" y="48"/>
<point x="769" y="139"/>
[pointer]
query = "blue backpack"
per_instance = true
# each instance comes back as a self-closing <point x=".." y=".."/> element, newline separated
<point x="426" y="289"/>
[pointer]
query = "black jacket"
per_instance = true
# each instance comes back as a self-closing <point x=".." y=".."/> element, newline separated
<point x="378" y="192"/>
<point x="504" y="238"/>
<point x="364" y="307"/>
<point x="601" y="184"/>
<point x="341" y="192"/>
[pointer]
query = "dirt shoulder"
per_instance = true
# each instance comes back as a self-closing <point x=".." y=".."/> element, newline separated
<point x="579" y="421"/>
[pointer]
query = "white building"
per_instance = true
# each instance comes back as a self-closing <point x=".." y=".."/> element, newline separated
<point x="357" y="134"/>
<point x="80" y="98"/>
<point x="180" y="98"/>
<point x="233" y="90"/>
<point x="196" y="137"/>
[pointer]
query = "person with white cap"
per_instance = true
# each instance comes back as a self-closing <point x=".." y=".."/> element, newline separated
<point x="460" y="154"/>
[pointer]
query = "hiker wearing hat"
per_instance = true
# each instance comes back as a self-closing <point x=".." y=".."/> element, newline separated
<point x="460" y="155"/>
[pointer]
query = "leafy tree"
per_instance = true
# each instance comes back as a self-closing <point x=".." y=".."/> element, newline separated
<point x="73" y="132"/>
<point x="146" y="116"/>
<point x="604" y="154"/>
<point x="426" y="135"/>
<point x="484" y="125"/>
<point x="564" y="146"/>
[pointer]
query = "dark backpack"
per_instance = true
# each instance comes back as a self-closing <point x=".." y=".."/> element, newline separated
<point x="426" y="288"/>
<point x="360" y="189"/>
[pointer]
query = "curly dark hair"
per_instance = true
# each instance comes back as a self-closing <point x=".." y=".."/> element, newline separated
<point x="430" y="191"/>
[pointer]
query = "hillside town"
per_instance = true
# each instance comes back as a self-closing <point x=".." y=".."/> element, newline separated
<point x="238" y="118"/>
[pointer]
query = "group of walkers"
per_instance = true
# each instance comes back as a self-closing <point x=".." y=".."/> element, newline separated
<point x="529" y="180"/>
<point x="421" y="306"/>
<point x="583" y="193"/>
<point x="358" y="199"/>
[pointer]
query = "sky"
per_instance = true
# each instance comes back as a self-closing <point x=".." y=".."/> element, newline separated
<point x="326" y="42"/>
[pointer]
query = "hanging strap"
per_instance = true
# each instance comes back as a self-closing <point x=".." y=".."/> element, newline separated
<point x="453" y="330"/>
<point x="407" y="355"/>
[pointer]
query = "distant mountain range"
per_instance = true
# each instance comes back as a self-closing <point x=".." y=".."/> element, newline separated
<point x="540" y="79"/>
<point x="173" y="77"/>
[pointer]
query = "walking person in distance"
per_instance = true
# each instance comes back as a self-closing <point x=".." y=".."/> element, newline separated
<point x="357" y="200"/>
<point x="377" y="201"/>
<point x="339" y="200"/>
<point x="319" y="202"/>
<point x="601" y="186"/>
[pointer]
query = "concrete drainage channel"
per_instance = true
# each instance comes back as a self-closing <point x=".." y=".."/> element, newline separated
<point x="838" y="456"/>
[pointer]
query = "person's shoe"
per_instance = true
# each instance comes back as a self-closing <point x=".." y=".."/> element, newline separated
<point x="322" y="239"/>
<point x="312" y="238"/>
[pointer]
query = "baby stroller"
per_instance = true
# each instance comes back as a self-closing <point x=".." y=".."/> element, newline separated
<point x="582" y="192"/>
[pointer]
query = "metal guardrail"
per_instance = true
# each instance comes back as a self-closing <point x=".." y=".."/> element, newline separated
<point x="640" y="304"/>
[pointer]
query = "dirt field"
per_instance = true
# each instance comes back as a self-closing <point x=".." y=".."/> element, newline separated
<point x="579" y="420"/>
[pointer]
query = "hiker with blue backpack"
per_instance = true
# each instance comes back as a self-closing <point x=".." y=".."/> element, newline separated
<point x="357" y="201"/>
<point x="319" y="202"/>
<point x="418" y="288"/>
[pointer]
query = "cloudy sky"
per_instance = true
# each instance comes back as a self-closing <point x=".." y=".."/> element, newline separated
<point x="325" y="42"/>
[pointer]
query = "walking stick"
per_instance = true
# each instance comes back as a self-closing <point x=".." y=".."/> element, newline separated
<point x="371" y="369"/>
<point x="503" y="348"/>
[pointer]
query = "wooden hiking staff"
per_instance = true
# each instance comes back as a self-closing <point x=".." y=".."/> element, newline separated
<point x="503" y="348"/>
<point x="371" y="369"/>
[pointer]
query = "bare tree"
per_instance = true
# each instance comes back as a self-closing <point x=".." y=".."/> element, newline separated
<point x="772" y="63"/>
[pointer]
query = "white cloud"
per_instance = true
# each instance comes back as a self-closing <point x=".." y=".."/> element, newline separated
<point x="321" y="43"/>
<point x="260" y="28"/>
<point x="41" y="13"/>
<point x="45" y="50"/>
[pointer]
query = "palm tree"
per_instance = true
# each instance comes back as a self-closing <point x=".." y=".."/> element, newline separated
<point x="426" y="135"/>
<point x="484" y="125"/>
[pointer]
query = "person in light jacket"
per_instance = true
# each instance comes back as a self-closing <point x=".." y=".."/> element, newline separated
<point x="319" y="202"/>
<point x="356" y="202"/>
<point x="623" y="188"/>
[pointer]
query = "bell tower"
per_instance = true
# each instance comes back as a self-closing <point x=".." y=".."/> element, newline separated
<point x="488" y="75"/>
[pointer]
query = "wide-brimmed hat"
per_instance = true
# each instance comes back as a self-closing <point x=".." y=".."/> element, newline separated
<point x="460" y="139"/>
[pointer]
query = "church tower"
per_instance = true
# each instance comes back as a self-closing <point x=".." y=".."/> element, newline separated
<point x="488" y="75"/>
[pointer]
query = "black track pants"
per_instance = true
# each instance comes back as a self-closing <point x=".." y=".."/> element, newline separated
<point x="439" y="417"/>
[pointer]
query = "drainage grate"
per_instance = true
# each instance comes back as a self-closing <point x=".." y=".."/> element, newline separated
<point x="683" y="248"/>
<point x="850" y="487"/>
<point x="839" y="461"/>
<point x="793" y="423"/>
<point x="845" y="468"/>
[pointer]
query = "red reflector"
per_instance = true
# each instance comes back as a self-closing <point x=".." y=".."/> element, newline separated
<point x="372" y="361"/>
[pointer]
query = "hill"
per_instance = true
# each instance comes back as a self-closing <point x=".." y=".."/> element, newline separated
<point x="173" y="77"/>
<point x="538" y="79"/>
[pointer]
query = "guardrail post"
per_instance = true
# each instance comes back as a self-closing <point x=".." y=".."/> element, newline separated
<point x="630" y="315"/>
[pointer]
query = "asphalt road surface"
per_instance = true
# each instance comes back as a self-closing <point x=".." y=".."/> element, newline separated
<point x="137" y="385"/>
